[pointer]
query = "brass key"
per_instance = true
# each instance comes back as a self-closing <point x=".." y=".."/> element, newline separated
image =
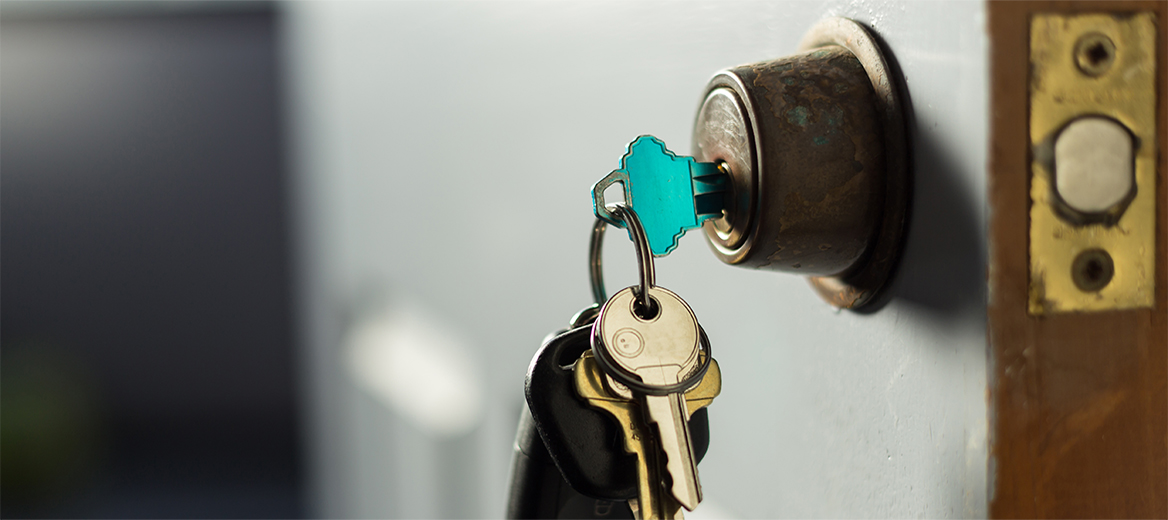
<point x="654" y="501"/>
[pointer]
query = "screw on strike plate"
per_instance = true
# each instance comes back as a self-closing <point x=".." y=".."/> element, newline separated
<point x="1094" y="54"/>
<point x="1092" y="270"/>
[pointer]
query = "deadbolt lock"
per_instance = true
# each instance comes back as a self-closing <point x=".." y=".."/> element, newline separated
<point x="816" y="149"/>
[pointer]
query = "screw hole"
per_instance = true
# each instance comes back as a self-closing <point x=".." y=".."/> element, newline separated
<point x="1094" y="54"/>
<point x="1097" y="54"/>
<point x="1092" y="270"/>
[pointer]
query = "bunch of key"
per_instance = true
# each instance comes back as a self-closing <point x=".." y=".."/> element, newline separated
<point x="616" y="421"/>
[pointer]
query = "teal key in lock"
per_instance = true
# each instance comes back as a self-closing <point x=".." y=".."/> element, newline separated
<point x="670" y="193"/>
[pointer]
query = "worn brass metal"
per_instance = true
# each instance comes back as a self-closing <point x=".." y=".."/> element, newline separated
<point x="1092" y="65"/>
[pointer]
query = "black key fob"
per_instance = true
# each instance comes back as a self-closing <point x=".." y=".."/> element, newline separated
<point x="538" y="490"/>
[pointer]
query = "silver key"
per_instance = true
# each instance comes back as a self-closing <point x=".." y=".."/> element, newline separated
<point x="657" y="356"/>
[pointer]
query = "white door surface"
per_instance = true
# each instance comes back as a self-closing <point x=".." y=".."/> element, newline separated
<point x="444" y="152"/>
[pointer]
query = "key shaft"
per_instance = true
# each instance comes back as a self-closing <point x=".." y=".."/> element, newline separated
<point x="669" y="414"/>
<point x="657" y="355"/>
<point x="654" y="500"/>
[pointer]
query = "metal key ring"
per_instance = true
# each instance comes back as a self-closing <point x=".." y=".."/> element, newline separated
<point x="632" y="380"/>
<point x="644" y="255"/>
<point x="596" y="263"/>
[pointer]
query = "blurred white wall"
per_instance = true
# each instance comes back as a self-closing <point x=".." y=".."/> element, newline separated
<point x="444" y="153"/>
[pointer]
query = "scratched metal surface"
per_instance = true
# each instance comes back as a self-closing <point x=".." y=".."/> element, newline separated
<point x="444" y="153"/>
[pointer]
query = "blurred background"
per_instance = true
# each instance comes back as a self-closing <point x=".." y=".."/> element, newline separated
<point x="148" y="358"/>
<point x="292" y="259"/>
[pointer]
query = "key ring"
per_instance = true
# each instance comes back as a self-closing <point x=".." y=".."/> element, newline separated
<point x="596" y="263"/>
<point x="644" y="256"/>
<point x="595" y="276"/>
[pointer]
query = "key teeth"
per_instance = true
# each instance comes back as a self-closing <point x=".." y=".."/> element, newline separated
<point x="687" y="495"/>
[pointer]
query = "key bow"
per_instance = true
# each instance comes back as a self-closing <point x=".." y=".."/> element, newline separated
<point x="671" y="193"/>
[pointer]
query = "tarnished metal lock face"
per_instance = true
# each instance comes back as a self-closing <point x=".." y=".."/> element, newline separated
<point x="815" y="145"/>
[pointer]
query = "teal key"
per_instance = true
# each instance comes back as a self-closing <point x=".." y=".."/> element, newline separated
<point x="670" y="193"/>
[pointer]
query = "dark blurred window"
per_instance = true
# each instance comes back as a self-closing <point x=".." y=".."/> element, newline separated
<point x="147" y="363"/>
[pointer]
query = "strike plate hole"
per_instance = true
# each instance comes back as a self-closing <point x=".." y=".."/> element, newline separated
<point x="646" y="312"/>
<point x="1094" y="54"/>
<point x="1092" y="270"/>
<point x="1097" y="54"/>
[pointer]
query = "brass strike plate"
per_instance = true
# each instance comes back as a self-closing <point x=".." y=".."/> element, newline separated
<point x="1063" y="87"/>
